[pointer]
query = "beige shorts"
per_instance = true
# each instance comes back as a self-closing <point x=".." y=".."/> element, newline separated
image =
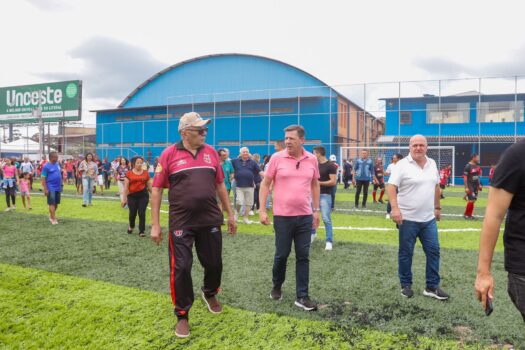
<point x="244" y="195"/>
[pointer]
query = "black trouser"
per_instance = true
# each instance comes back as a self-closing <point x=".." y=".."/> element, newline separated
<point x="107" y="181"/>
<point x="138" y="202"/>
<point x="290" y="229"/>
<point x="361" y="185"/>
<point x="347" y="180"/>
<point x="256" y="196"/>
<point x="516" y="290"/>
<point x="208" y="244"/>
<point x="10" y="194"/>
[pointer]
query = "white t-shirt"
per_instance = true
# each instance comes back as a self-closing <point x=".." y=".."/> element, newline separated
<point x="389" y="169"/>
<point x="416" y="188"/>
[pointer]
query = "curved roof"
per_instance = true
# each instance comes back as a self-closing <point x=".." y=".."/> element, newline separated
<point x="224" y="77"/>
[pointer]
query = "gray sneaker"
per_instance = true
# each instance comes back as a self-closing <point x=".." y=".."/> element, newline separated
<point x="306" y="304"/>
<point x="407" y="291"/>
<point x="276" y="293"/>
<point x="437" y="293"/>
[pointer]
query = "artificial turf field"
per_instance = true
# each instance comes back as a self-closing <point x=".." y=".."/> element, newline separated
<point x="86" y="284"/>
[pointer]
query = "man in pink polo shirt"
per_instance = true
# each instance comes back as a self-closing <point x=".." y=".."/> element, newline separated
<point x="294" y="173"/>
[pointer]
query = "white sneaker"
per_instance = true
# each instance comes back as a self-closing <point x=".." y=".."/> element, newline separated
<point x="7" y="209"/>
<point x="312" y="238"/>
<point x="387" y="216"/>
<point x="251" y="213"/>
<point x="13" y="207"/>
<point x="246" y="221"/>
<point x="328" y="246"/>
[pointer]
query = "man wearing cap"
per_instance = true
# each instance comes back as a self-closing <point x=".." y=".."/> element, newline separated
<point x="247" y="174"/>
<point x="192" y="171"/>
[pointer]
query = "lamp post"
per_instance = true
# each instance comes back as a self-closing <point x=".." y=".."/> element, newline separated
<point x="37" y="113"/>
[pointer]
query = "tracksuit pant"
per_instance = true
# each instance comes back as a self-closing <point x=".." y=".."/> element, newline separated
<point x="208" y="244"/>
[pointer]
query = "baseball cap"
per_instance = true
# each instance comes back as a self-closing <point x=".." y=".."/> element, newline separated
<point x="333" y="158"/>
<point x="192" y="119"/>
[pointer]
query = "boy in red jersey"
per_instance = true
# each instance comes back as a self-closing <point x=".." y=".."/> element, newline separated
<point x="471" y="176"/>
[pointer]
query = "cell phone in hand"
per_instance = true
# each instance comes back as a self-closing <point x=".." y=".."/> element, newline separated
<point x="489" y="308"/>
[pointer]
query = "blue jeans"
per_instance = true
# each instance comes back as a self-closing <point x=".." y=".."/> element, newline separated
<point x="290" y="229"/>
<point x="334" y="190"/>
<point x="409" y="231"/>
<point x="87" y="183"/>
<point x="326" y="208"/>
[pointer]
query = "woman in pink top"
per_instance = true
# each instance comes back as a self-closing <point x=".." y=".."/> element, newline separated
<point x="9" y="184"/>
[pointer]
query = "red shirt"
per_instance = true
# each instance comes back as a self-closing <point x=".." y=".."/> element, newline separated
<point x="137" y="183"/>
<point x="443" y="177"/>
<point x="192" y="181"/>
<point x="69" y="166"/>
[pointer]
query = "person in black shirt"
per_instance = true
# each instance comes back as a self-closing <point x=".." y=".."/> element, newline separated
<point x="507" y="195"/>
<point x="471" y="176"/>
<point x="379" y="180"/>
<point x="347" y="173"/>
<point x="327" y="180"/>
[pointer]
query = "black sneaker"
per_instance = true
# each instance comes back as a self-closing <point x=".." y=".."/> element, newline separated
<point x="437" y="293"/>
<point x="407" y="291"/>
<point x="381" y="201"/>
<point x="306" y="304"/>
<point x="276" y="293"/>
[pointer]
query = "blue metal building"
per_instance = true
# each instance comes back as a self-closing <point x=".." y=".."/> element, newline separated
<point x="250" y="100"/>
<point x="471" y="122"/>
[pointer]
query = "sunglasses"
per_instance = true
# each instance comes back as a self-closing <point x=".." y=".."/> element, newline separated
<point x="200" y="131"/>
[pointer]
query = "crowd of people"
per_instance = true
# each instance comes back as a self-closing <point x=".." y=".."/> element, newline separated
<point x="299" y="187"/>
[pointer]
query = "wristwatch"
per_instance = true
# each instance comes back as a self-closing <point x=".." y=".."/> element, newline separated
<point x="316" y="209"/>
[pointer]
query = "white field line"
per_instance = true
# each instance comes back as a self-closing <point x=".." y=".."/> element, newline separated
<point x="79" y="196"/>
<point x="384" y="212"/>
<point x="343" y="228"/>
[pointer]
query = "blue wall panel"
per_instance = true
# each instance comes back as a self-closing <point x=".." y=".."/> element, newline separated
<point x="418" y="106"/>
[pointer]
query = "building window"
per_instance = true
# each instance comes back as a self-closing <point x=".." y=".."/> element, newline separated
<point x="405" y="118"/>
<point x="448" y="113"/>
<point x="499" y="111"/>
<point x="278" y="110"/>
<point x="142" y="117"/>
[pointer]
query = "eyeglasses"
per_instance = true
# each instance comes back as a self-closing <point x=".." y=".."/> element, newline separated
<point x="200" y="131"/>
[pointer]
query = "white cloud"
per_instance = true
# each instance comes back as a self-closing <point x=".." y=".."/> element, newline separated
<point x="115" y="45"/>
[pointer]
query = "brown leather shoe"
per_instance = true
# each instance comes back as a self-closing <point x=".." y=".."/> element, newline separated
<point x="213" y="304"/>
<point x="182" y="330"/>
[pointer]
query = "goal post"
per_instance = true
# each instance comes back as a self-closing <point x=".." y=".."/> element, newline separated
<point x="442" y="155"/>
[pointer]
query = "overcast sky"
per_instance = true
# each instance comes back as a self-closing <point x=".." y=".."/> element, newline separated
<point x="113" y="46"/>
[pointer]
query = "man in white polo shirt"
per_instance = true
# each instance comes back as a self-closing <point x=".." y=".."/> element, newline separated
<point x="415" y="209"/>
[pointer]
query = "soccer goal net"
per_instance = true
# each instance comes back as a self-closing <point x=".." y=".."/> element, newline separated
<point x="442" y="155"/>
